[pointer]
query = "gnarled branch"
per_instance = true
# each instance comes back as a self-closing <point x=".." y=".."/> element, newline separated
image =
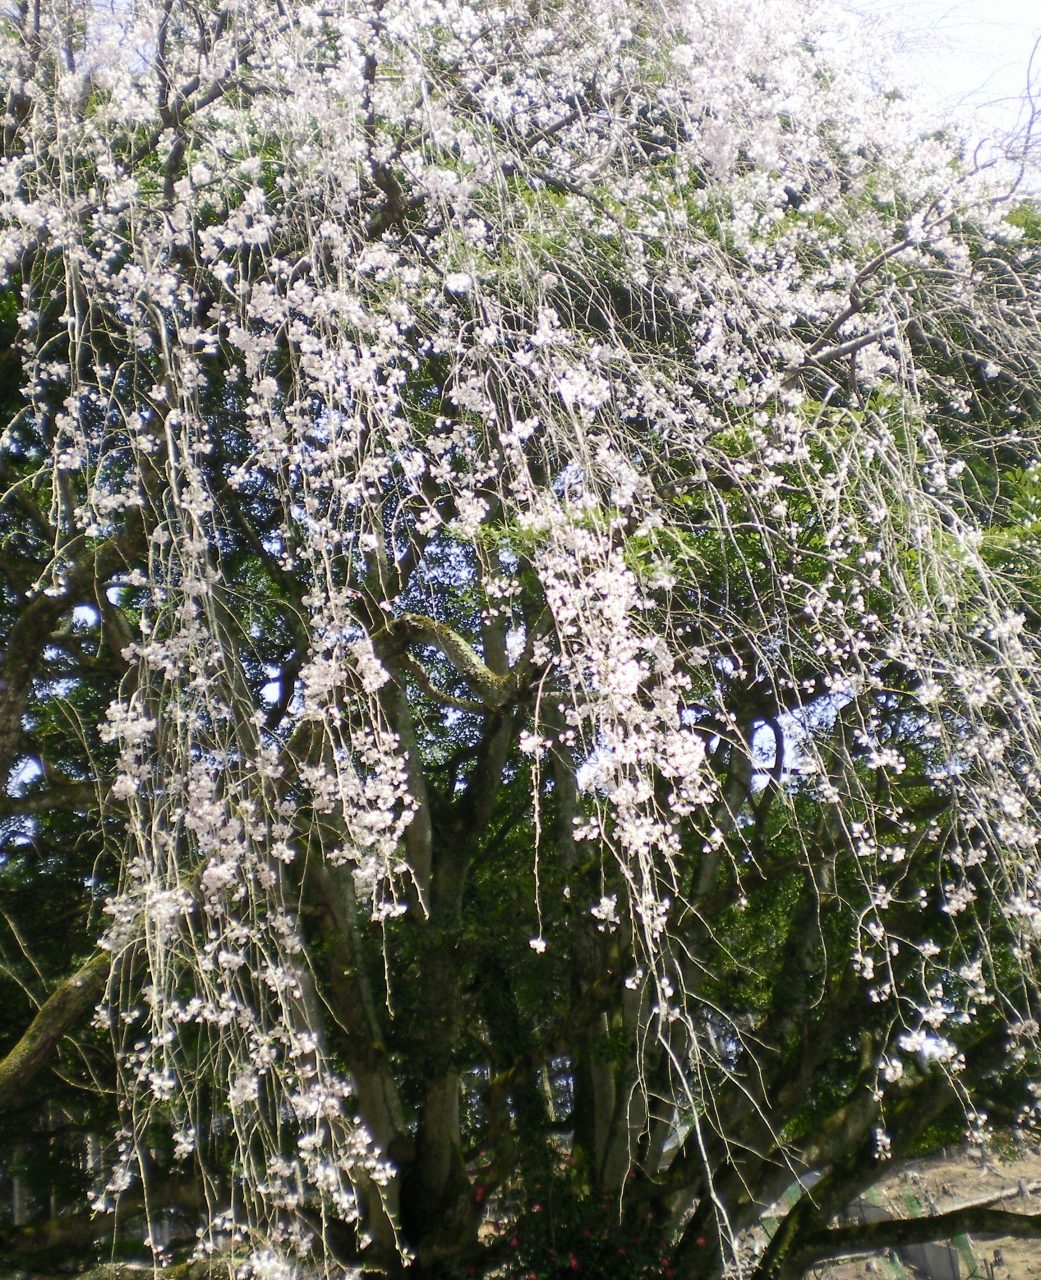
<point x="58" y="1014"/>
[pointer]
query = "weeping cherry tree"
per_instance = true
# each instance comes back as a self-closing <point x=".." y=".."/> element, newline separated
<point x="521" y="633"/>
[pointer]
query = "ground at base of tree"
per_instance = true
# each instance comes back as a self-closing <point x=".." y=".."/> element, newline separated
<point x="938" y="1184"/>
<point x="123" y="1271"/>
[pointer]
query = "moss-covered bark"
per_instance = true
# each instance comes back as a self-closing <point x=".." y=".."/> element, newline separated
<point x="63" y="1009"/>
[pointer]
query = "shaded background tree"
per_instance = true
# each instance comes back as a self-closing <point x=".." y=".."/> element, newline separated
<point x="520" y="632"/>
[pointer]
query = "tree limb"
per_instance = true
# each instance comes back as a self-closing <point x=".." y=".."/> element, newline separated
<point x="58" y="1014"/>
<point x="492" y="690"/>
<point x="868" y="1237"/>
<point x="73" y="795"/>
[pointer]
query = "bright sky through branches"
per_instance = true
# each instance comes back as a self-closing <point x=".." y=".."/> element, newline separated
<point x="966" y="57"/>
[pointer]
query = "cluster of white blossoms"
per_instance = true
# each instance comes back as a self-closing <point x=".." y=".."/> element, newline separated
<point x="655" y="304"/>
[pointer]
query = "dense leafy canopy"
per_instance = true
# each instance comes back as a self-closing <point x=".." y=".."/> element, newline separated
<point x="519" y="599"/>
